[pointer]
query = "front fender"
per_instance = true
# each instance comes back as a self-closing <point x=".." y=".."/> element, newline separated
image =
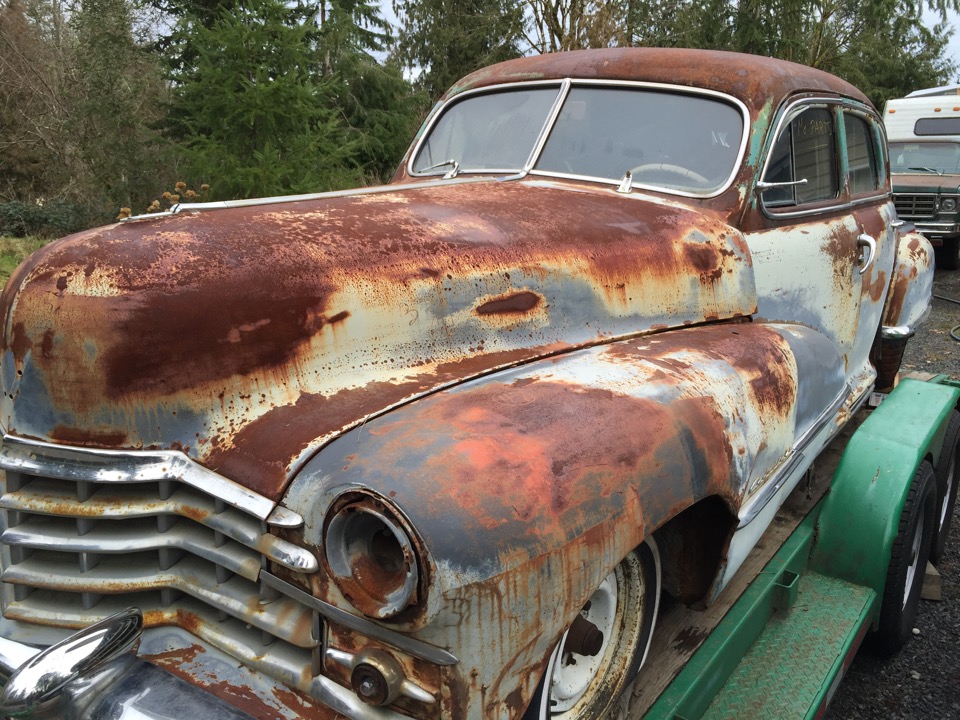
<point x="528" y="486"/>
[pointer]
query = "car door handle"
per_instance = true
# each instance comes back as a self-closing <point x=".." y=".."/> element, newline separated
<point x="868" y="251"/>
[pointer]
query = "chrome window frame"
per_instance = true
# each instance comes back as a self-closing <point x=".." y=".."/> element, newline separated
<point x="565" y="85"/>
<point x="843" y="201"/>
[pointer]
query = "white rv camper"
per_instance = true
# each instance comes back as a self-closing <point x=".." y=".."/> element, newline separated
<point x="923" y="130"/>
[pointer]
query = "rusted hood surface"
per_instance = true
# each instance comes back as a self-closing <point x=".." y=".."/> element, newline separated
<point x="248" y="337"/>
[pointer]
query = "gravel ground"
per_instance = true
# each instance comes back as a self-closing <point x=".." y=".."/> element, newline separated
<point x="922" y="681"/>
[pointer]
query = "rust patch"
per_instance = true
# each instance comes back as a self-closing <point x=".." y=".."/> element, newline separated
<point x="705" y="259"/>
<point x="515" y="304"/>
<point x="93" y="437"/>
<point x="176" y="658"/>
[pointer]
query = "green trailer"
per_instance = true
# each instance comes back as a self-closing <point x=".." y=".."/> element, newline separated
<point x="843" y="562"/>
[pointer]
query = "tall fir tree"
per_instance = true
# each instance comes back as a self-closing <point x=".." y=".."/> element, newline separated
<point x="251" y="113"/>
<point x="116" y="98"/>
<point x="440" y="41"/>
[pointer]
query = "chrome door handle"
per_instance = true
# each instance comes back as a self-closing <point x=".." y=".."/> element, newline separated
<point x="865" y="259"/>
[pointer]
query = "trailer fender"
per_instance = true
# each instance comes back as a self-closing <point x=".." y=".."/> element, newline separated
<point x="861" y="513"/>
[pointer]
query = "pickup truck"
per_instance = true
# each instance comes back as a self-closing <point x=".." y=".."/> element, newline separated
<point x="439" y="449"/>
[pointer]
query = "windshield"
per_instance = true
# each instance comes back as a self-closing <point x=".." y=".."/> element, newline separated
<point x="666" y="140"/>
<point x="925" y="157"/>
<point x="493" y="132"/>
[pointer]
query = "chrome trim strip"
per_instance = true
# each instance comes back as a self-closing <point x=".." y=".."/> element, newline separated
<point x="754" y="506"/>
<point x="407" y="644"/>
<point x="20" y="455"/>
<point x="252" y="202"/>
<point x="548" y="126"/>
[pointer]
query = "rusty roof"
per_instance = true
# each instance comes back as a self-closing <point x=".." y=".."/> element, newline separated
<point x="751" y="78"/>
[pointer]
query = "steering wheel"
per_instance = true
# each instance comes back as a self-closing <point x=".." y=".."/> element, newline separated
<point x="682" y="172"/>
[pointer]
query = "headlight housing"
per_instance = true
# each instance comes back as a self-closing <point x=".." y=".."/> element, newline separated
<point x="948" y="204"/>
<point x="371" y="556"/>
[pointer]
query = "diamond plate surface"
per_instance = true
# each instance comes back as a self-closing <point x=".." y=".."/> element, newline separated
<point x="793" y="659"/>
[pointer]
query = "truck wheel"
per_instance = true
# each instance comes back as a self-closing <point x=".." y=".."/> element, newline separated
<point x="908" y="558"/>
<point x="947" y="256"/>
<point x="946" y="474"/>
<point x="587" y="673"/>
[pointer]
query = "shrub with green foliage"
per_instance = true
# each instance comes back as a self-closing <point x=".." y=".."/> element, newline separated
<point x="49" y="219"/>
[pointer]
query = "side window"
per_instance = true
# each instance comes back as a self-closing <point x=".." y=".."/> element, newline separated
<point x="861" y="155"/>
<point x="805" y="150"/>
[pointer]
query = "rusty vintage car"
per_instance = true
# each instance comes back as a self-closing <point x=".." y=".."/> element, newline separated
<point x="437" y="449"/>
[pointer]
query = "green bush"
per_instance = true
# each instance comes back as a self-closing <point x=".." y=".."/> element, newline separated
<point x="50" y="219"/>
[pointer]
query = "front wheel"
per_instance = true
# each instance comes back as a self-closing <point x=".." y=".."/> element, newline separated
<point x="605" y="646"/>
<point x="908" y="560"/>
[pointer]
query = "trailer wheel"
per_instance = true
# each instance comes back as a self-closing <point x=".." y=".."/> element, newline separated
<point x="946" y="474"/>
<point x="908" y="558"/>
<point x="947" y="256"/>
<point x="586" y="674"/>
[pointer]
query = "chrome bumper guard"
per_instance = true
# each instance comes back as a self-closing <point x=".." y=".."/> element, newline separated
<point x="94" y="673"/>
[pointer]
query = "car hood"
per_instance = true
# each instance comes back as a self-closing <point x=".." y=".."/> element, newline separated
<point x="925" y="182"/>
<point x="249" y="336"/>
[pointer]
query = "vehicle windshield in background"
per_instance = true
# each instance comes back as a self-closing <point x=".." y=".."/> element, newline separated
<point x="925" y="157"/>
<point x="678" y="142"/>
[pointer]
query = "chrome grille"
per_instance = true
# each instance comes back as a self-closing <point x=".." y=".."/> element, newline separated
<point x="912" y="207"/>
<point x="86" y="534"/>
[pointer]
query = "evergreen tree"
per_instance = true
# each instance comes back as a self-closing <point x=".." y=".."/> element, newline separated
<point x="115" y="97"/>
<point x="251" y="115"/>
<point x="443" y="40"/>
<point x="375" y="101"/>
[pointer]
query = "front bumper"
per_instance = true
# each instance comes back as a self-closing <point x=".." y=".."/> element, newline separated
<point x="93" y="674"/>
<point x="176" y="675"/>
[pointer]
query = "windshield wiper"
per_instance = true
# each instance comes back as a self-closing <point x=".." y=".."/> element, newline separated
<point x="926" y="169"/>
<point x="451" y="173"/>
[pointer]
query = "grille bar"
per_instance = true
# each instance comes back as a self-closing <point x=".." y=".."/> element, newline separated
<point x="45" y="533"/>
<point x="49" y="497"/>
<point x="85" y="533"/>
<point x="283" y="618"/>
<point x="117" y="466"/>
<point x="915" y="205"/>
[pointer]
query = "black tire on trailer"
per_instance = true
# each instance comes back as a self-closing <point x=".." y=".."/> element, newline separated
<point x="947" y="256"/>
<point x="908" y="561"/>
<point x="577" y="686"/>
<point x="947" y="483"/>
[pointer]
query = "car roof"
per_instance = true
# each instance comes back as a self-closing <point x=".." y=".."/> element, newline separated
<point x="753" y="79"/>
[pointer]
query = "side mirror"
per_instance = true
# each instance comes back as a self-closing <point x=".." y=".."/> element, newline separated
<point x="38" y="684"/>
